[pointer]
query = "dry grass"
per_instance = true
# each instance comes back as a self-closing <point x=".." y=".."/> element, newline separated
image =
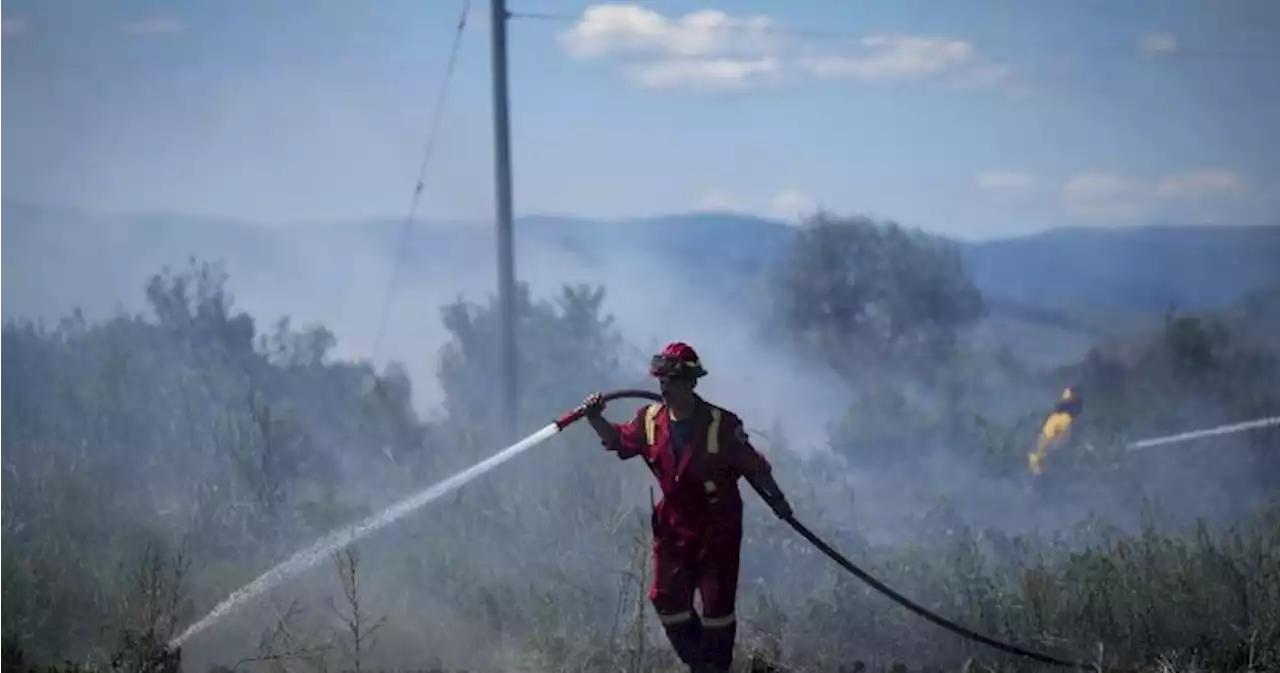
<point x="1203" y="602"/>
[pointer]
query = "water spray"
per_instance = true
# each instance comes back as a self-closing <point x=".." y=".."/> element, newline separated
<point x="1197" y="434"/>
<point x="342" y="537"/>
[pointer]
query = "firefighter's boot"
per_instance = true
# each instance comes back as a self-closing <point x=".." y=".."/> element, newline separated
<point x="686" y="640"/>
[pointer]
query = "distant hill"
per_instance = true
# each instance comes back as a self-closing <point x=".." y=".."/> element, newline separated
<point x="1099" y="270"/>
<point x="1089" y="281"/>
<point x="1140" y="269"/>
<point x="1063" y="289"/>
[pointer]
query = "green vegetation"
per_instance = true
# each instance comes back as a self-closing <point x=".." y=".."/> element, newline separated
<point x="153" y="464"/>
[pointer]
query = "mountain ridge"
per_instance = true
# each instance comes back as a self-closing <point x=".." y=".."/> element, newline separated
<point x="1092" y="282"/>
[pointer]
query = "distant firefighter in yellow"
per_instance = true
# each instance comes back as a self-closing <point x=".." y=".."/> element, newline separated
<point x="1056" y="428"/>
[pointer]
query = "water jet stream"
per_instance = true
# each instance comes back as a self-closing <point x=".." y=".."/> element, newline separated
<point x="1197" y="434"/>
<point x="342" y="537"/>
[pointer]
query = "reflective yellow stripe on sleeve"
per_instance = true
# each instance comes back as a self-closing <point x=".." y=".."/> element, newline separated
<point x="651" y="421"/>
<point x="713" y="433"/>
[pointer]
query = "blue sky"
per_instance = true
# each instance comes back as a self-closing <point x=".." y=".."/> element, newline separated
<point x="966" y="117"/>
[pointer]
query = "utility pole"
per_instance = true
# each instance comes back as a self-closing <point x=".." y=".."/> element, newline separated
<point x="502" y="190"/>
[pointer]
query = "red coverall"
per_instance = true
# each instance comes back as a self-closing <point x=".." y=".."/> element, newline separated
<point x="697" y="526"/>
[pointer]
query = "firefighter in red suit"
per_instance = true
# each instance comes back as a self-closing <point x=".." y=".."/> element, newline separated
<point x="697" y="451"/>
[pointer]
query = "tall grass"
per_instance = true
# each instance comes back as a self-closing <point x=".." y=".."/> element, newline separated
<point x="1174" y="601"/>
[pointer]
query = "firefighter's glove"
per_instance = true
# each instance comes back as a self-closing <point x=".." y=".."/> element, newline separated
<point x="593" y="405"/>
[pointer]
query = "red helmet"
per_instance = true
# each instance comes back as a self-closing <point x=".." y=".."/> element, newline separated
<point x="677" y="360"/>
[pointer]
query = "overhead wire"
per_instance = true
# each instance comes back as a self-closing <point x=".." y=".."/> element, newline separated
<point x="442" y="95"/>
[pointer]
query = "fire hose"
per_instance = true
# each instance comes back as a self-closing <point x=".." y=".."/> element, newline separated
<point x="842" y="561"/>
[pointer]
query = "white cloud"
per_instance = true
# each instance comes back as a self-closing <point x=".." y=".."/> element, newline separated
<point x="792" y="205"/>
<point x="1201" y="186"/>
<point x="713" y="49"/>
<point x="886" y="57"/>
<point x="1184" y="195"/>
<point x="722" y="73"/>
<point x="1155" y="44"/>
<point x="156" y="25"/>
<point x="703" y="50"/>
<point x="614" y="29"/>
<point x="11" y="26"/>
<point x="1007" y="185"/>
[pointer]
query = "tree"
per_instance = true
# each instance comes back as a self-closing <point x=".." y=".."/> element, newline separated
<point x="567" y="348"/>
<point x="195" y="305"/>
<point x="856" y="292"/>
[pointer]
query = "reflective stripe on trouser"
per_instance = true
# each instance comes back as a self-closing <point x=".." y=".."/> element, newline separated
<point x="718" y="622"/>
<point x="675" y="619"/>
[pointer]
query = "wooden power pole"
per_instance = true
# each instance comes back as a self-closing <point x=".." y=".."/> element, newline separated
<point x="502" y="190"/>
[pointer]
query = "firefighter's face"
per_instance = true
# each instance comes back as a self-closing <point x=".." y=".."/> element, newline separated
<point x="675" y="388"/>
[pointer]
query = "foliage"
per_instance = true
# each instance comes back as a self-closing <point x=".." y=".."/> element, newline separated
<point x="153" y="464"/>
<point x="856" y="292"/>
<point x="568" y="344"/>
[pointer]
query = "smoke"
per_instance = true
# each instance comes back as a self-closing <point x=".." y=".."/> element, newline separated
<point x="532" y="524"/>
<point x="338" y="276"/>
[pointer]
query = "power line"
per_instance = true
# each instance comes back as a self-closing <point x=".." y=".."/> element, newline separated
<point x="442" y="95"/>
<point x="1177" y="52"/>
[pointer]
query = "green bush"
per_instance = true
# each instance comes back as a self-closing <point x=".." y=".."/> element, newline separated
<point x="152" y="465"/>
